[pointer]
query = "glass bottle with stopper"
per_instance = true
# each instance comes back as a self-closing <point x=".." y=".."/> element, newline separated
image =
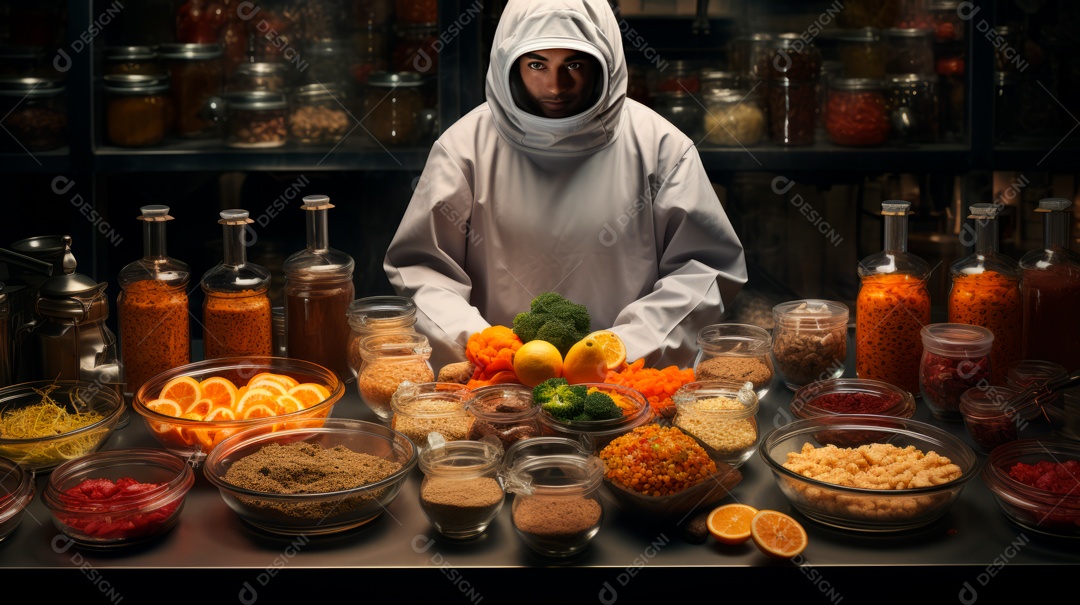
<point x="1051" y="288"/>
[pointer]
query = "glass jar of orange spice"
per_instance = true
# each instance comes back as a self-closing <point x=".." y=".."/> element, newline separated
<point x="153" y="306"/>
<point x="236" y="312"/>
<point x="986" y="291"/>
<point x="892" y="307"/>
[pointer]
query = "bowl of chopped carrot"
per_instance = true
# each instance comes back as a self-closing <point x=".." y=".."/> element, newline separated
<point x="658" y="385"/>
<point x="635" y="408"/>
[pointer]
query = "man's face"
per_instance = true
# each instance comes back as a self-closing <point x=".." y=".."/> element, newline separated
<point x="560" y="82"/>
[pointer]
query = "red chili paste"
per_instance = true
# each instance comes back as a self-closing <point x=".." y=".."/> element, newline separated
<point x="102" y="496"/>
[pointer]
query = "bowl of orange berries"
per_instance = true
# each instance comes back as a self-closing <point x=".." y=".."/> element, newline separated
<point x="192" y="408"/>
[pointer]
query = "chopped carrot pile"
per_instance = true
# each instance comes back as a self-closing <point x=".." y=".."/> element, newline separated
<point x="492" y="352"/>
<point x="657" y="385"/>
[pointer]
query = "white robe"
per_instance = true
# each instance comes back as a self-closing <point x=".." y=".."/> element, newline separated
<point x="611" y="208"/>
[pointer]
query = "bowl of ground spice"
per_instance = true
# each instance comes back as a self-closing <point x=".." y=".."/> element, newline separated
<point x="737" y="353"/>
<point x="1036" y="483"/>
<point x="842" y="396"/>
<point x="46" y="423"/>
<point x="320" y="477"/>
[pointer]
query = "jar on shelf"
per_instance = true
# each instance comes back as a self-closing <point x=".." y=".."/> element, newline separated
<point x="328" y="62"/>
<point x="718" y="80"/>
<point x="1009" y="44"/>
<point x="732" y="119"/>
<point x="392" y="107"/>
<point x="256" y="119"/>
<point x="141" y="60"/>
<point x="912" y="103"/>
<point x="318" y="292"/>
<point x="745" y="54"/>
<point x="988" y="416"/>
<point x="681" y="109"/>
<point x="138" y="110"/>
<point x="155" y="335"/>
<point x="946" y="20"/>
<point x="417" y="12"/>
<point x="195" y="77"/>
<point x="200" y="21"/>
<point x="791" y="58"/>
<point x="809" y="340"/>
<point x="720" y="414"/>
<point x="24" y="62"/>
<point x="889" y="344"/>
<point x="317" y="115"/>
<point x="909" y="51"/>
<point x="985" y="291"/>
<point x="372" y="13"/>
<point x="862" y="53"/>
<point x="248" y="77"/>
<point x="416" y="49"/>
<point x="420" y="409"/>
<point x="555" y="482"/>
<point x="1050" y="287"/>
<point x="460" y="494"/>
<point x="856" y="115"/>
<point x="34" y="114"/>
<point x="505" y="411"/>
<point x="735" y="353"/>
<point x="236" y="309"/>
<point x="369" y="53"/>
<point x="374" y="315"/>
<point x="955" y="358"/>
<point x="680" y="76"/>
<point x="792" y="107"/>
<point x="390" y="359"/>
<point x="869" y="13"/>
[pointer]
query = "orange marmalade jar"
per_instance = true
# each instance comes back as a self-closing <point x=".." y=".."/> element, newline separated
<point x="892" y="307"/>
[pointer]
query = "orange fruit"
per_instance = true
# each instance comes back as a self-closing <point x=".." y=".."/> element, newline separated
<point x="255" y="397"/>
<point x="585" y="362"/>
<point x="220" y="415"/>
<point x="258" y="410"/>
<point x="310" y="394"/>
<point x="209" y="438"/>
<point x="287" y="404"/>
<point x="730" y="523"/>
<point x="613" y="347"/>
<point x="221" y="391"/>
<point x="273" y="386"/>
<point x="286" y="381"/>
<point x="200" y="408"/>
<point x="778" y="535"/>
<point x="184" y="390"/>
<point x="167" y="407"/>
<point x="536" y="361"/>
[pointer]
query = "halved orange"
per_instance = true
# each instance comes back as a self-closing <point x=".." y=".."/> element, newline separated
<point x="167" y="407"/>
<point x="184" y="390"/>
<point x="255" y="397"/>
<point x="730" y="523"/>
<point x="310" y="393"/>
<point x="221" y="391"/>
<point x="287" y="404"/>
<point x="200" y="408"/>
<point x="613" y="347"/>
<point x="258" y="410"/>
<point x="286" y="381"/>
<point x="778" y="535"/>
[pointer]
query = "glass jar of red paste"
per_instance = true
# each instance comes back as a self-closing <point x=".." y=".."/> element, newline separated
<point x="989" y="417"/>
<point x="855" y="113"/>
<point x="956" y="357"/>
<point x="851" y="396"/>
<point x="1050" y="287"/>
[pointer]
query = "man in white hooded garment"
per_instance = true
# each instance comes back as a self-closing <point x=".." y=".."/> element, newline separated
<point x="560" y="183"/>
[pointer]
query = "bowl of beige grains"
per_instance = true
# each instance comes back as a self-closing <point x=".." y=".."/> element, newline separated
<point x="735" y="353"/>
<point x="322" y="476"/>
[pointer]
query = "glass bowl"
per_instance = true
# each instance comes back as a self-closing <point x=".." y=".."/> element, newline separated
<point x="315" y="512"/>
<point x="41" y="454"/>
<point x="118" y="497"/>
<point x="721" y="415"/>
<point x="599" y="433"/>
<point x="1039" y="510"/>
<point x="851" y="396"/>
<point x="186" y="436"/>
<point x="16" y="492"/>
<point x="737" y="353"/>
<point x="426" y="407"/>
<point x="860" y="508"/>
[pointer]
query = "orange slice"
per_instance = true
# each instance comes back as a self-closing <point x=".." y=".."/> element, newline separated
<point x="258" y="410"/>
<point x="220" y="415"/>
<point x="184" y="390"/>
<point x="167" y="407"/>
<point x="221" y="391"/>
<point x="287" y="404"/>
<point x="200" y="408"/>
<point x="255" y="397"/>
<point x="273" y="386"/>
<point x="310" y="394"/>
<point x="778" y="535"/>
<point x="209" y="438"/>
<point x="286" y="381"/>
<point x="730" y="523"/>
<point x="612" y="346"/>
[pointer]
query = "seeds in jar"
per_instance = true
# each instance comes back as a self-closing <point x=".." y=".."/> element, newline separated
<point x="804" y="356"/>
<point x="737" y="368"/>
<point x="742" y="125"/>
<point x="380" y="379"/>
<point x="705" y="420"/>
<point x="461" y="503"/>
<point x="319" y="124"/>
<point x="257" y="129"/>
<point x="556" y="517"/>
<point x="433" y="415"/>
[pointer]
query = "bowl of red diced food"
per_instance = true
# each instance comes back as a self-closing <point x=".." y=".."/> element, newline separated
<point x="1036" y="482"/>
<point x="827" y="399"/>
<point x="118" y="497"/>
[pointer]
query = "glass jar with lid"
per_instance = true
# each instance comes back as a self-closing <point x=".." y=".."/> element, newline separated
<point x="155" y="334"/>
<point x="256" y="119"/>
<point x="389" y="360"/>
<point x="715" y="80"/>
<point x="989" y="418"/>
<point x="392" y="106"/>
<point x="426" y="407"/>
<point x="792" y="70"/>
<point x="735" y="352"/>
<point x="138" y="110"/>
<point x="862" y="53"/>
<point x="909" y="51"/>
<point x="34" y="114"/>
<point x="369" y="53"/>
<point x="328" y="62"/>
<point x="856" y="114"/>
<point x="25" y="62"/>
<point x="373" y="315"/>
<point x="955" y="358"/>
<point x="681" y="109"/>
<point x="258" y="77"/>
<point x="1050" y="286"/>
<point x="745" y="54"/>
<point x="680" y="76"/>
<point x="889" y="345"/>
<point x="141" y="60"/>
<point x="414" y="12"/>
<point x="415" y="49"/>
<point x="722" y="415"/>
<point x="809" y="340"/>
<point x="732" y="119"/>
<point x="236" y="309"/>
<point x="912" y="103"/>
<point x="460" y="494"/>
<point x="504" y="411"/>
<point x="196" y="77"/>
<point x="985" y="290"/>
<point x="317" y="115"/>
<point x="318" y="292"/>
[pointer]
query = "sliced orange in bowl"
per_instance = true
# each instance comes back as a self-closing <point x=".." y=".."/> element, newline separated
<point x="208" y="438"/>
<point x="730" y="523"/>
<point x="268" y="384"/>
<point x="221" y="391"/>
<point x="287" y="382"/>
<point x="310" y="393"/>
<point x="253" y="397"/>
<point x="258" y="410"/>
<point x="287" y="404"/>
<point x="200" y="408"/>
<point x="613" y="347"/>
<point x="778" y="535"/>
<point x="184" y="390"/>
<point x="167" y="407"/>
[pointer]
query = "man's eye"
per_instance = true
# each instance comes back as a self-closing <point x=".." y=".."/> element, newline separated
<point x="535" y="65"/>
<point x="573" y="66"/>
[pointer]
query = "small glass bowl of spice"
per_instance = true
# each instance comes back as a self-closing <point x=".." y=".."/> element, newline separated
<point x="842" y="397"/>
<point x="955" y="358"/>
<point x="389" y="359"/>
<point x="989" y="417"/>
<point x="461" y="493"/>
<point x="720" y="414"/>
<point x="555" y="482"/>
<point x="736" y="353"/>
<point x="422" y="408"/>
<point x="506" y="411"/>
<point x="809" y="340"/>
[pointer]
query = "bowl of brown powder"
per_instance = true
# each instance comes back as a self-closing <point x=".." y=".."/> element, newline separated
<point x="320" y="477"/>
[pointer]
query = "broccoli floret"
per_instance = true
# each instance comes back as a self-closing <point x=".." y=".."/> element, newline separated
<point x="600" y="406"/>
<point x="543" y="392"/>
<point x="561" y="400"/>
<point x="554" y="319"/>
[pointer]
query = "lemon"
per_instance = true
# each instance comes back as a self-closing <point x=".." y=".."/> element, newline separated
<point x="585" y="362"/>
<point x="536" y="361"/>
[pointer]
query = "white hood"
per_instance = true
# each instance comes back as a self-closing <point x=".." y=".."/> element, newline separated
<point x="583" y="25"/>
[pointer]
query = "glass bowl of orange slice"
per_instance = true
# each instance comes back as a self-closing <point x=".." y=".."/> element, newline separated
<point x="192" y="408"/>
